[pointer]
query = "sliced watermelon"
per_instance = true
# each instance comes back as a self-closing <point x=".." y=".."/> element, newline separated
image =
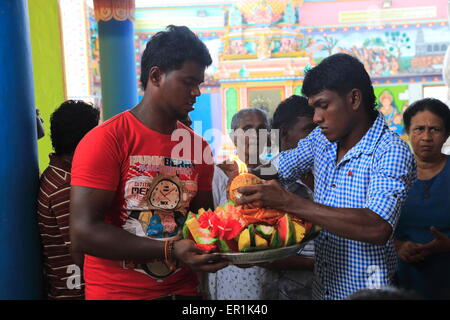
<point x="275" y="240"/>
<point x="286" y="230"/>
<point x="251" y="230"/>
<point x="228" y="245"/>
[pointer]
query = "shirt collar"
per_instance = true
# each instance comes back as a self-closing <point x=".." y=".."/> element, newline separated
<point x="60" y="163"/>
<point x="367" y="144"/>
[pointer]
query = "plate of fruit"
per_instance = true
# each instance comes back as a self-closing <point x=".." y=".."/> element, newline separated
<point x="248" y="235"/>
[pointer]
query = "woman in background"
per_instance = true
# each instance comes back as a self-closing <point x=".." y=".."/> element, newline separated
<point x="422" y="235"/>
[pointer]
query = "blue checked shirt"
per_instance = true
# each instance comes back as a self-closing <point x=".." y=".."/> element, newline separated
<point x="375" y="174"/>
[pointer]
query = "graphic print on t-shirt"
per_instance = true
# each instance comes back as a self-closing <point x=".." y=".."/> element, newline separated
<point x="158" y="191"/>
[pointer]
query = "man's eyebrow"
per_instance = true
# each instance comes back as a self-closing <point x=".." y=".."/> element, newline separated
<point x="318" y="102"/>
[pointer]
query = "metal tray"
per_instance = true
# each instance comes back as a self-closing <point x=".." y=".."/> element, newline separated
<point x="269" y="254"/>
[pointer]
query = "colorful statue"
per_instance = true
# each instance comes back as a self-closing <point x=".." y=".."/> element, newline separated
<point x="289" y="14"/>
<point x="263" y="13"/>
<point x="235" y="17"/>
<point x="264" y="49"/>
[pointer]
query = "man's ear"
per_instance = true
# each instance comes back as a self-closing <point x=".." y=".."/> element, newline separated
<point x="154" y="76"/>
<point x="283" y="132"/>
<point x="355" y="98"/>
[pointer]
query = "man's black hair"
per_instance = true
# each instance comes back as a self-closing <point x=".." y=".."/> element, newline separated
<point x="169" y="49"/>
<point x="435" y="106"/>
<point x="289" y="110"/>
<point x="69" y="123"/>
<point x="341" y="73"/>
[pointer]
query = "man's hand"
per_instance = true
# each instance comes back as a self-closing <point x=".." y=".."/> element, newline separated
<point x="440" y="244"/>
<point x="411" y="252"/>
<point x="267" y="195"/>
<point x="187" y="252"/>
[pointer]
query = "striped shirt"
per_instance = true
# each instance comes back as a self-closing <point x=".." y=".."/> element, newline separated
<point x="62" y="276"/>
<point x="375" y="174"/>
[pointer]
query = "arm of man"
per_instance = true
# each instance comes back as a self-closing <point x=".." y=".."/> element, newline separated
<point x="351" y="223"/>
<point x="91" y="235"/>
<point x="374" y="223"/>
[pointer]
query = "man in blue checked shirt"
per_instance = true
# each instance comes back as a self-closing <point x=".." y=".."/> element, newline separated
<point x="362" y="173"/>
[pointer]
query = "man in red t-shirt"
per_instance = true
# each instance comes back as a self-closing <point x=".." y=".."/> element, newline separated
<point x="135" y="177"/>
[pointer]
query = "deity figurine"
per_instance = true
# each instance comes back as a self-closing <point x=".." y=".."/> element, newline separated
<point x="235" y="17"/>
<point x="263" y="13"/>
<point x="264" y="49"/>
<point x="289" y="14"/>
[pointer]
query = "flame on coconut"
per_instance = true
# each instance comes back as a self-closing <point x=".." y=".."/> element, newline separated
<point x="241" y="165"/>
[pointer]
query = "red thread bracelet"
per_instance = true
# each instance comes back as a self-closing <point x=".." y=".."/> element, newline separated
<point x="168" y="253"/>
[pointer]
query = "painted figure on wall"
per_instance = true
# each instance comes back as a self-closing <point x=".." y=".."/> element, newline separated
<point x="288" y="45"/>
<point x="377" y="61"/>
<point x="390" y="111"/>
<point x="265" y="46"/>
<point x="237" y="47"/>
<point x="289" y="14"/>
<point x="235" y="17"/>
<point x="263" y="13"/>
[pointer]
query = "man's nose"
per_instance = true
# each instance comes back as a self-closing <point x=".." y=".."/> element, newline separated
<point x="318" y="118"/>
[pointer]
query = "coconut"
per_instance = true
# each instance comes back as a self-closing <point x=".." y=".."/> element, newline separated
<point x="241" y="180"/>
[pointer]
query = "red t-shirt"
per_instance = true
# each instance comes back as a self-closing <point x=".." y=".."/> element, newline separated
<point x="154" y="179"/>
